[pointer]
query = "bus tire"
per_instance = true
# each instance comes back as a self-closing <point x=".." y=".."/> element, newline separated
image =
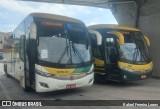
<point x="26" y="88"/>
<point x="122" y="82"/>
<point x="5" y="70"/>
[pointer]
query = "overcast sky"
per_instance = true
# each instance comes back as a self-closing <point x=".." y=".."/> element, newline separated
<point x="12" y="13"/>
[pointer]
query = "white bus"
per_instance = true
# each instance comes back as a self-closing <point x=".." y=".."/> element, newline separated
<point x="50" y="52"/>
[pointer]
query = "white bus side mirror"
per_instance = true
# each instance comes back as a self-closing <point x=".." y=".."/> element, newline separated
<point x="33" y="31"/>
<point x="98" y="36"/>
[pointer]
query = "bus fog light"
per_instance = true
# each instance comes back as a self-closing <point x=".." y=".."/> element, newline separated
<point x="127" y="69"/>
<point x="125" y="77"/>
<point x="44" y="85"/>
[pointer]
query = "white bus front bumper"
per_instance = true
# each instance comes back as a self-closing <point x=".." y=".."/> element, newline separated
<point x="56" y="84"/>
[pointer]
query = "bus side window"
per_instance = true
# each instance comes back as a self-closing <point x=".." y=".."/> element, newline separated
<point x="21" y="47"/>
<point x="93" y="40"/>
<point x="110" y="41"/>
<point x="97" y="52"/>
<point x="111" y="50"/>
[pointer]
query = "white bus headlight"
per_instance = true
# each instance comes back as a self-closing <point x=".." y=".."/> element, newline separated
<point x="43" y="73"/>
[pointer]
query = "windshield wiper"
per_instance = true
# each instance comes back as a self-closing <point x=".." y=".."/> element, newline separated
<point x="76" y="51"/>
<point x="140" y="49"/>
<point x="64" y="52"/>
<point x="135" y="54"/>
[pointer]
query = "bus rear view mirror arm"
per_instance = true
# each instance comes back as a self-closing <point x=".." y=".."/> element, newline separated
<point x="119" y="35"/>
<point x="147" y="40"/>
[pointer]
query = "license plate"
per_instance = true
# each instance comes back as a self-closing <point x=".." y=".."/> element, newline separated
<point x="70" y="86"/>
<point x="143" y="76"/>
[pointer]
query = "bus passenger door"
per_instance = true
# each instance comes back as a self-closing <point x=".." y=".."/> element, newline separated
<point x="20" y="59"/>
<point x="12" y="64"/>
<point x="15" y="60"/>
<point x="19" y="68"/>
<point x="9" y="63"/>
<point x="111" y="55"/>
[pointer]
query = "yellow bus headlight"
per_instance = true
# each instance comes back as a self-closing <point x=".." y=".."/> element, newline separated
<point x="127" y="69"/>
<point x="132" y="70"/>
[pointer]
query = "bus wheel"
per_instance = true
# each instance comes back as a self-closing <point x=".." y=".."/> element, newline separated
<point x="26" y="87"/>
<point x="122" y="82"/>
<point x="5" y="70"/>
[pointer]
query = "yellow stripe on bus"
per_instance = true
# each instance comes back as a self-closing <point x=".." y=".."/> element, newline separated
<point x="56" y="71"/>
<point x="136" y="67"/>
<point x="99" y="68"/>
<point x="100" y="73"/>
<point x="99" y="62"/>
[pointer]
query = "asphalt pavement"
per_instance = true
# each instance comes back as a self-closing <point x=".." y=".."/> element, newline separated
<point x="148" y="89"/>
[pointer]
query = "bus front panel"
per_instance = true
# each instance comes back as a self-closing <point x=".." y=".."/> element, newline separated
<point x="63" y="55"/>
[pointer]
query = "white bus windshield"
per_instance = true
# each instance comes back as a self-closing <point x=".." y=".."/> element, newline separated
<point x="63" y="43"/>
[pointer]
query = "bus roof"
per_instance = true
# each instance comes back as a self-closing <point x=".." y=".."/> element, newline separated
<point x="112" y="26"/>
<point x="53" y="16"/>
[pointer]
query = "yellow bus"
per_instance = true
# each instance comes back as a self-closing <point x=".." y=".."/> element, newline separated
<point x="50" y="52"/>
<point x="121" y="53"/>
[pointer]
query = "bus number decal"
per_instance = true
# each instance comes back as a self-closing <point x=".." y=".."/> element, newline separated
<point x="63" y="71"/>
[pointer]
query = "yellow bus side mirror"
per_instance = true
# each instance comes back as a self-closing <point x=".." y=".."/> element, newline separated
<point x="147" y="40"/>
<point x="119" y="35"/>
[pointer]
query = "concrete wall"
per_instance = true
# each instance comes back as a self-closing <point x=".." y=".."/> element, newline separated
<point x="149" y="23"/>
<point x="124" y="13"/>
